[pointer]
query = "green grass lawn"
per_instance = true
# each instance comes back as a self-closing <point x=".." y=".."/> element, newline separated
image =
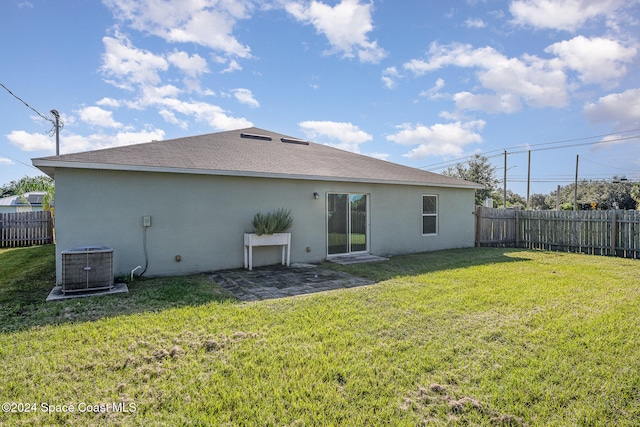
<point x="462" y="337"/>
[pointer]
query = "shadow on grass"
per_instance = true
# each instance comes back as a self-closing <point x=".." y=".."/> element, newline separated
<point x="27" y="275"/>
<point x="426" y="262"/>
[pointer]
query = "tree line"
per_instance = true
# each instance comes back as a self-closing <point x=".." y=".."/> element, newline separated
<point x="617" y="193"/>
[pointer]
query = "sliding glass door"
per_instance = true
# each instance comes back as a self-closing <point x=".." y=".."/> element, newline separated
<point x="358" y="232"/>
<point x="338" y="223"/>
<point x="347" y="223"/>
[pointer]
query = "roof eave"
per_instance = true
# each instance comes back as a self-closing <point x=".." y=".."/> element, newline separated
<point x="49" y="166"/>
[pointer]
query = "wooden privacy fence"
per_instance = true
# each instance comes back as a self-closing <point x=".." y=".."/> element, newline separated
<point x="613" y="232"/>
<point x="25" y="229"/>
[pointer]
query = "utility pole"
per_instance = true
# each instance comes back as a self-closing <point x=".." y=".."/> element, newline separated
<point x="56" y="115"/>
<point x="505" y="179"/>
<point x="575" y="187"/>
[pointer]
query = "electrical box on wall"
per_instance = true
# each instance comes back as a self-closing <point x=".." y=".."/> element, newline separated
<point x="146" y="221"/>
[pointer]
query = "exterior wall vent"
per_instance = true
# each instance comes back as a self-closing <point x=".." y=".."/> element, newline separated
<point x="294" y="141"/>
<point x="87" y="268"/>
<point x="255" y="136"/>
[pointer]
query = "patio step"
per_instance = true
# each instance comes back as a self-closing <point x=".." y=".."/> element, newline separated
<point x="356" y="259"/>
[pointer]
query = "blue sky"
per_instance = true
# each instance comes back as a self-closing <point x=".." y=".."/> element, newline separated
<point x="421" y="83"/>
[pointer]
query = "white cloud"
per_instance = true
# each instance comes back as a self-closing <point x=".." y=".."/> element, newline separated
<point x="67" y="120"/>
<point x="203" y="112"/>
<point x="434" y="92"/>
<point x="497" y="14"/>
<point x="128" y="138"/>
<point x="597" y="60"/>
<point x="71" y="143"/>
<point x="131" y="68"/>
<point x="620" y="109"/>
<point x="75" y="143"/>
<point x="458" y="54"/>
<point x="439" y="139"/>
<point x="170" y="117"/>
<point x="346" y="25"/>
<point x="233" y="66"/>
<point x="389" y="77"/>
<point x="5" y="161"/>
<point x="31" y="141"/>
<point x="527" y="80"/>
<point x="245" y="96"/>
<point x="490" y="103"/>
<point x="566" y="15"/>
<point x="475" y="23"/>
<point x="137" y="69"/>
<point x="108" y="102"/>
<point x="381" y="156"/>
<point x="191" y="65"/>
<point x="345" y="136"/>
<point x="208" y="23"/>
<point x="153" y="95"/>
<point x="314" y="83"/>
<point x="96" y="116"/>
<point x="511" y="83"/>
<point x="130" y="65"/>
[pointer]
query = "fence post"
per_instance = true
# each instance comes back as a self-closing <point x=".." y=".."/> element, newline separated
<point x="517" y="225"/>
<point x="614" y="232"/>
<point x="50" y="226"/>
<point x="478" y="214"/>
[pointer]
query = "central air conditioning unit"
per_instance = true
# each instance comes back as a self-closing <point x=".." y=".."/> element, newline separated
<point x="87" y="268"/>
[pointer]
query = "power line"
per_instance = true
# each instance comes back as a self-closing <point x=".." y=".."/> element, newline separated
<point x="611" y="167"/>
<point x="16" y="160"/>
<point x="571" y="180"/>
<point x="584" y="138"/>
<point x="51" y="132"/>
<point x="24" y="102"/>
<point x="578" y="145"/>
<point x="501" y="150"/>
<point x="454" y="161"/>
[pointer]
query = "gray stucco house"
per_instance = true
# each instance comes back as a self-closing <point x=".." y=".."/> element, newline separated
<point x="202" y="192"/>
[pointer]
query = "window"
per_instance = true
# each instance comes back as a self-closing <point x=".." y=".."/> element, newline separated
<point x="429" y="215"/>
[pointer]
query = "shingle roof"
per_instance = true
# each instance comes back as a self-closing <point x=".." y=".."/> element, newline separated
<point x="249" y="152"/>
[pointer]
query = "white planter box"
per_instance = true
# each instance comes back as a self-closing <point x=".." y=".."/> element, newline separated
<point x="252" y="240"/>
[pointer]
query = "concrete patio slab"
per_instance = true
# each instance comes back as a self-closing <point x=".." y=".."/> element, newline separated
<point x="57" y="295"/>
<point x="281" y="281"/>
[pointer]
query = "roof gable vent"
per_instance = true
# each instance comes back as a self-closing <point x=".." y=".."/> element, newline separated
<point x="294" y="141"/>
<point x="255" y="136"/>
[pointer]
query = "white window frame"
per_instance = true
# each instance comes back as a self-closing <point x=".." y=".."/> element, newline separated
<point x="436" y="214"/>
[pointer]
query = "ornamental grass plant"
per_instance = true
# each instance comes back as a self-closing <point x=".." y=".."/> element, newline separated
<point x="273" y="222"/>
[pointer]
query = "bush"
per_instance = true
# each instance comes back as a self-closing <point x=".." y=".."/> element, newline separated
<point x="273" y="222"/>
